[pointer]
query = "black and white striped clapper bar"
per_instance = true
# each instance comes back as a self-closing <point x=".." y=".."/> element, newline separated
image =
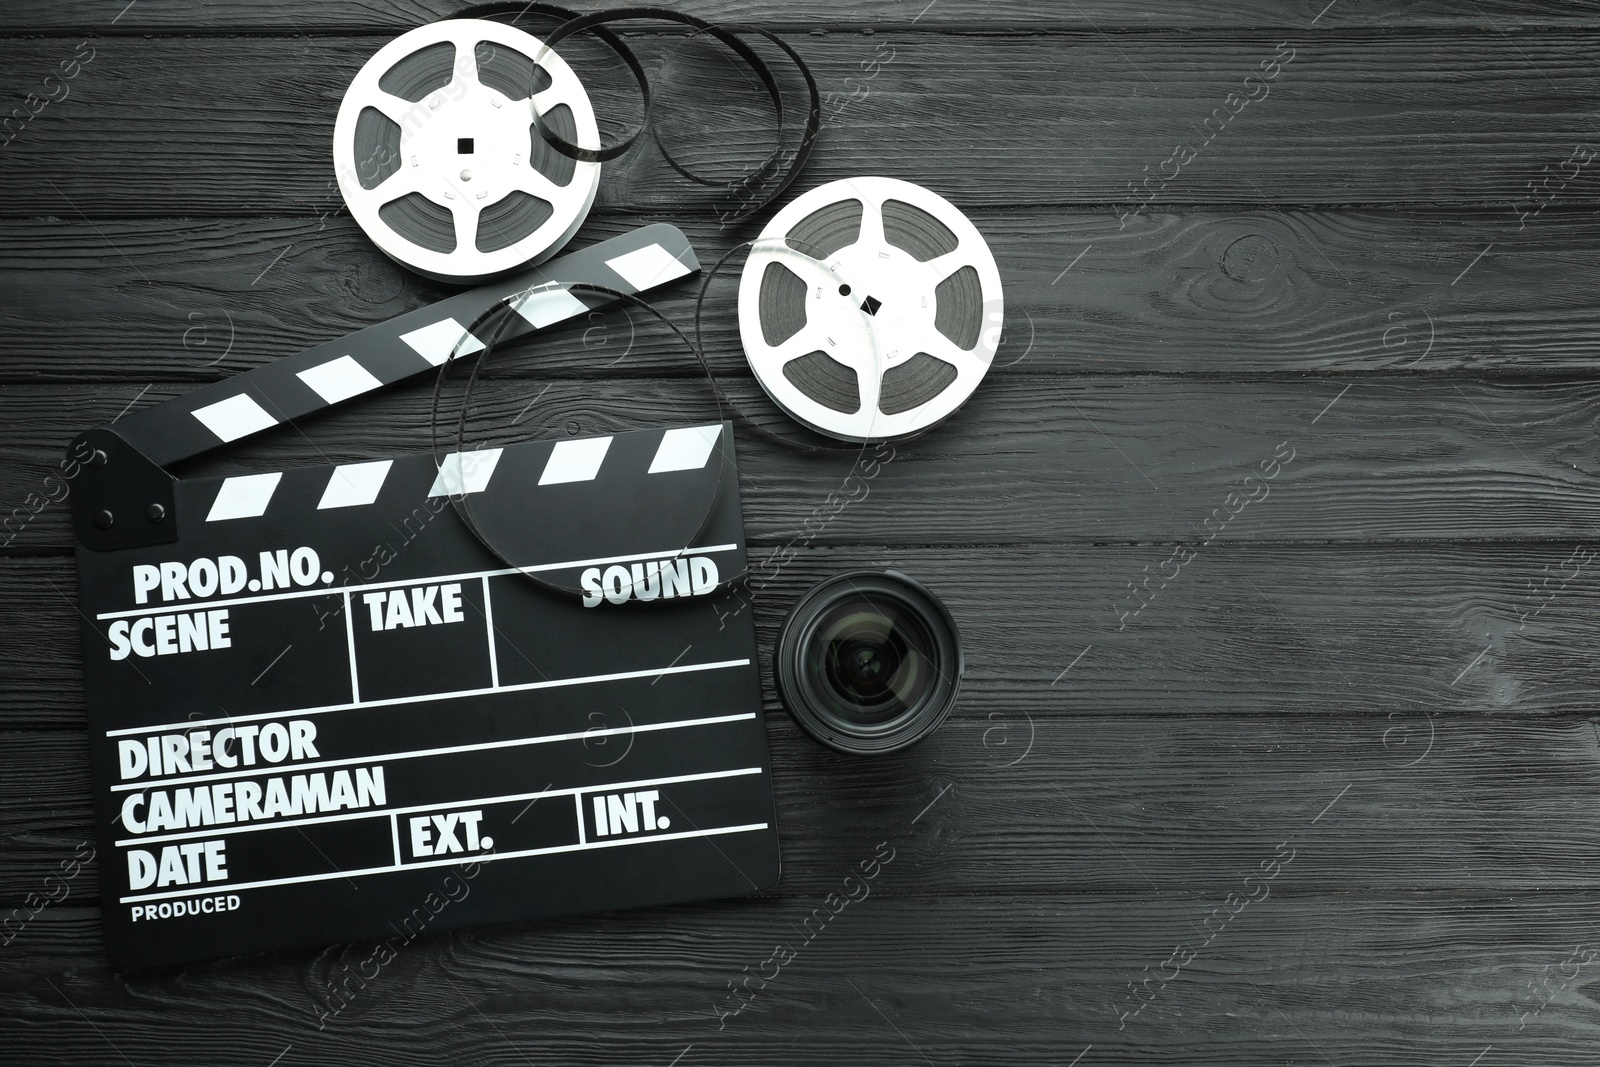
<point x="321" y="709"/>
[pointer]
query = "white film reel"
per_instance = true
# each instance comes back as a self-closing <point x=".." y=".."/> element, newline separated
<point x="438" y="160"/>
<point x="870" y="309"/>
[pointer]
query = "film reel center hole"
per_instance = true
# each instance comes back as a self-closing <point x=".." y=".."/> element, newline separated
<point x="464" y="146"/>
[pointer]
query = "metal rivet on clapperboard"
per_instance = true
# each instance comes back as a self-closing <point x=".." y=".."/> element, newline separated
<point x="99" y="458"/>
<point x="155" y="513"/>
<point x="103" y="520"/>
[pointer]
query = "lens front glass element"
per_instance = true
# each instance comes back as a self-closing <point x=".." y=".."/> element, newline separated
<point x="868" y="661"/>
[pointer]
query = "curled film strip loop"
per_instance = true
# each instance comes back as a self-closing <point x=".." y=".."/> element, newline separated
<point x="811" y="317"/>
<point x="555" y="139"/>
<point x="770" y="175"/>
<point x="439" y="163"/>
<point x="766" y="180"/>
<point x="484" y="335"/>
<point x="488" y="330"/>
<point x="805" y="263"/>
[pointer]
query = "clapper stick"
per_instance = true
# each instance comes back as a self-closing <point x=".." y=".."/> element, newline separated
<point x="320" y="708"/>
<point x="124" y="497"/>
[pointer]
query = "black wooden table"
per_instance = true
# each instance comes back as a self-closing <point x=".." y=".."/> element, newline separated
<point x="1269" y="535"/>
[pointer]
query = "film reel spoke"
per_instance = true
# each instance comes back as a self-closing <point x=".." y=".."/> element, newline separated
<point x="869" y="380"/>
<point x="403" y="183"/>
<point x="870" y="237"/>
<point x="813" y="337"/>
<point x="564" y="88"/>
<point x="535" y="183"/>
<point x="900" y="288"/>
<point x="436" y="153"/>
<point x="935" y="344"/>
<point x="465" y="218"/>
<point x="394" y="108"/>
<point x="466" y="40"/>
<point x="545" y="100"/>
<point x="940" y="268"/>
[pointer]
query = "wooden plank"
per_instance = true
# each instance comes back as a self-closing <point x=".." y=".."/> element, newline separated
<point x="1266" y="681"/>
<point x="1425" y="979"/>
<point x="1072" y="800"/>
<point x="1447" y="628"/>
<point x="1213" y="293"/>
<point x="310" y="17"/>
<point x="1357" y="118"/>
<point x="1040" y="460"/>
<point x="1454" y="629"/>
<point x="1383" y="664"/>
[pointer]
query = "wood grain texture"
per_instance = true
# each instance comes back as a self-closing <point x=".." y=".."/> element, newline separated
<point x="1346" y="979"/>
<point x="311" y="17"/>
<point x="1066" y="799"/>
<point x="1386" y="662"/>
<point x="1221" y="293"/>
<point x="1363" y="629"/>
<point x="1370" y="118"/>
<point x="1137" y="459"/>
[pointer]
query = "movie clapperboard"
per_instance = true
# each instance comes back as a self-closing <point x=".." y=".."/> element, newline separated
<point x="320" y="709"/>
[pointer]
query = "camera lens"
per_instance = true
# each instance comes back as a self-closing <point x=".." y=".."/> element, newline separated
<point x="869" y="662"/>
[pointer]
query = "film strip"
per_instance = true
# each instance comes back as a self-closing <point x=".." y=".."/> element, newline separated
<point x="467" y="148"/>
<point x="314" y="694"/>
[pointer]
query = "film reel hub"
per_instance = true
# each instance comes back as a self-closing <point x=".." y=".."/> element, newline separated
<point x="439" y="156"/>
<point x="894" y="292"/>
<point x="870" y="309"/>
<point x="438" y="160"/>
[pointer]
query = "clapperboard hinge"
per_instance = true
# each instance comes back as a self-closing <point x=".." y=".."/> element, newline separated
<point x="320" y="703"/>
<point x="124" y="495"/>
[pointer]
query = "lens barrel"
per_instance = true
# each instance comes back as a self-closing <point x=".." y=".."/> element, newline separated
<point x="869" y="662"/>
